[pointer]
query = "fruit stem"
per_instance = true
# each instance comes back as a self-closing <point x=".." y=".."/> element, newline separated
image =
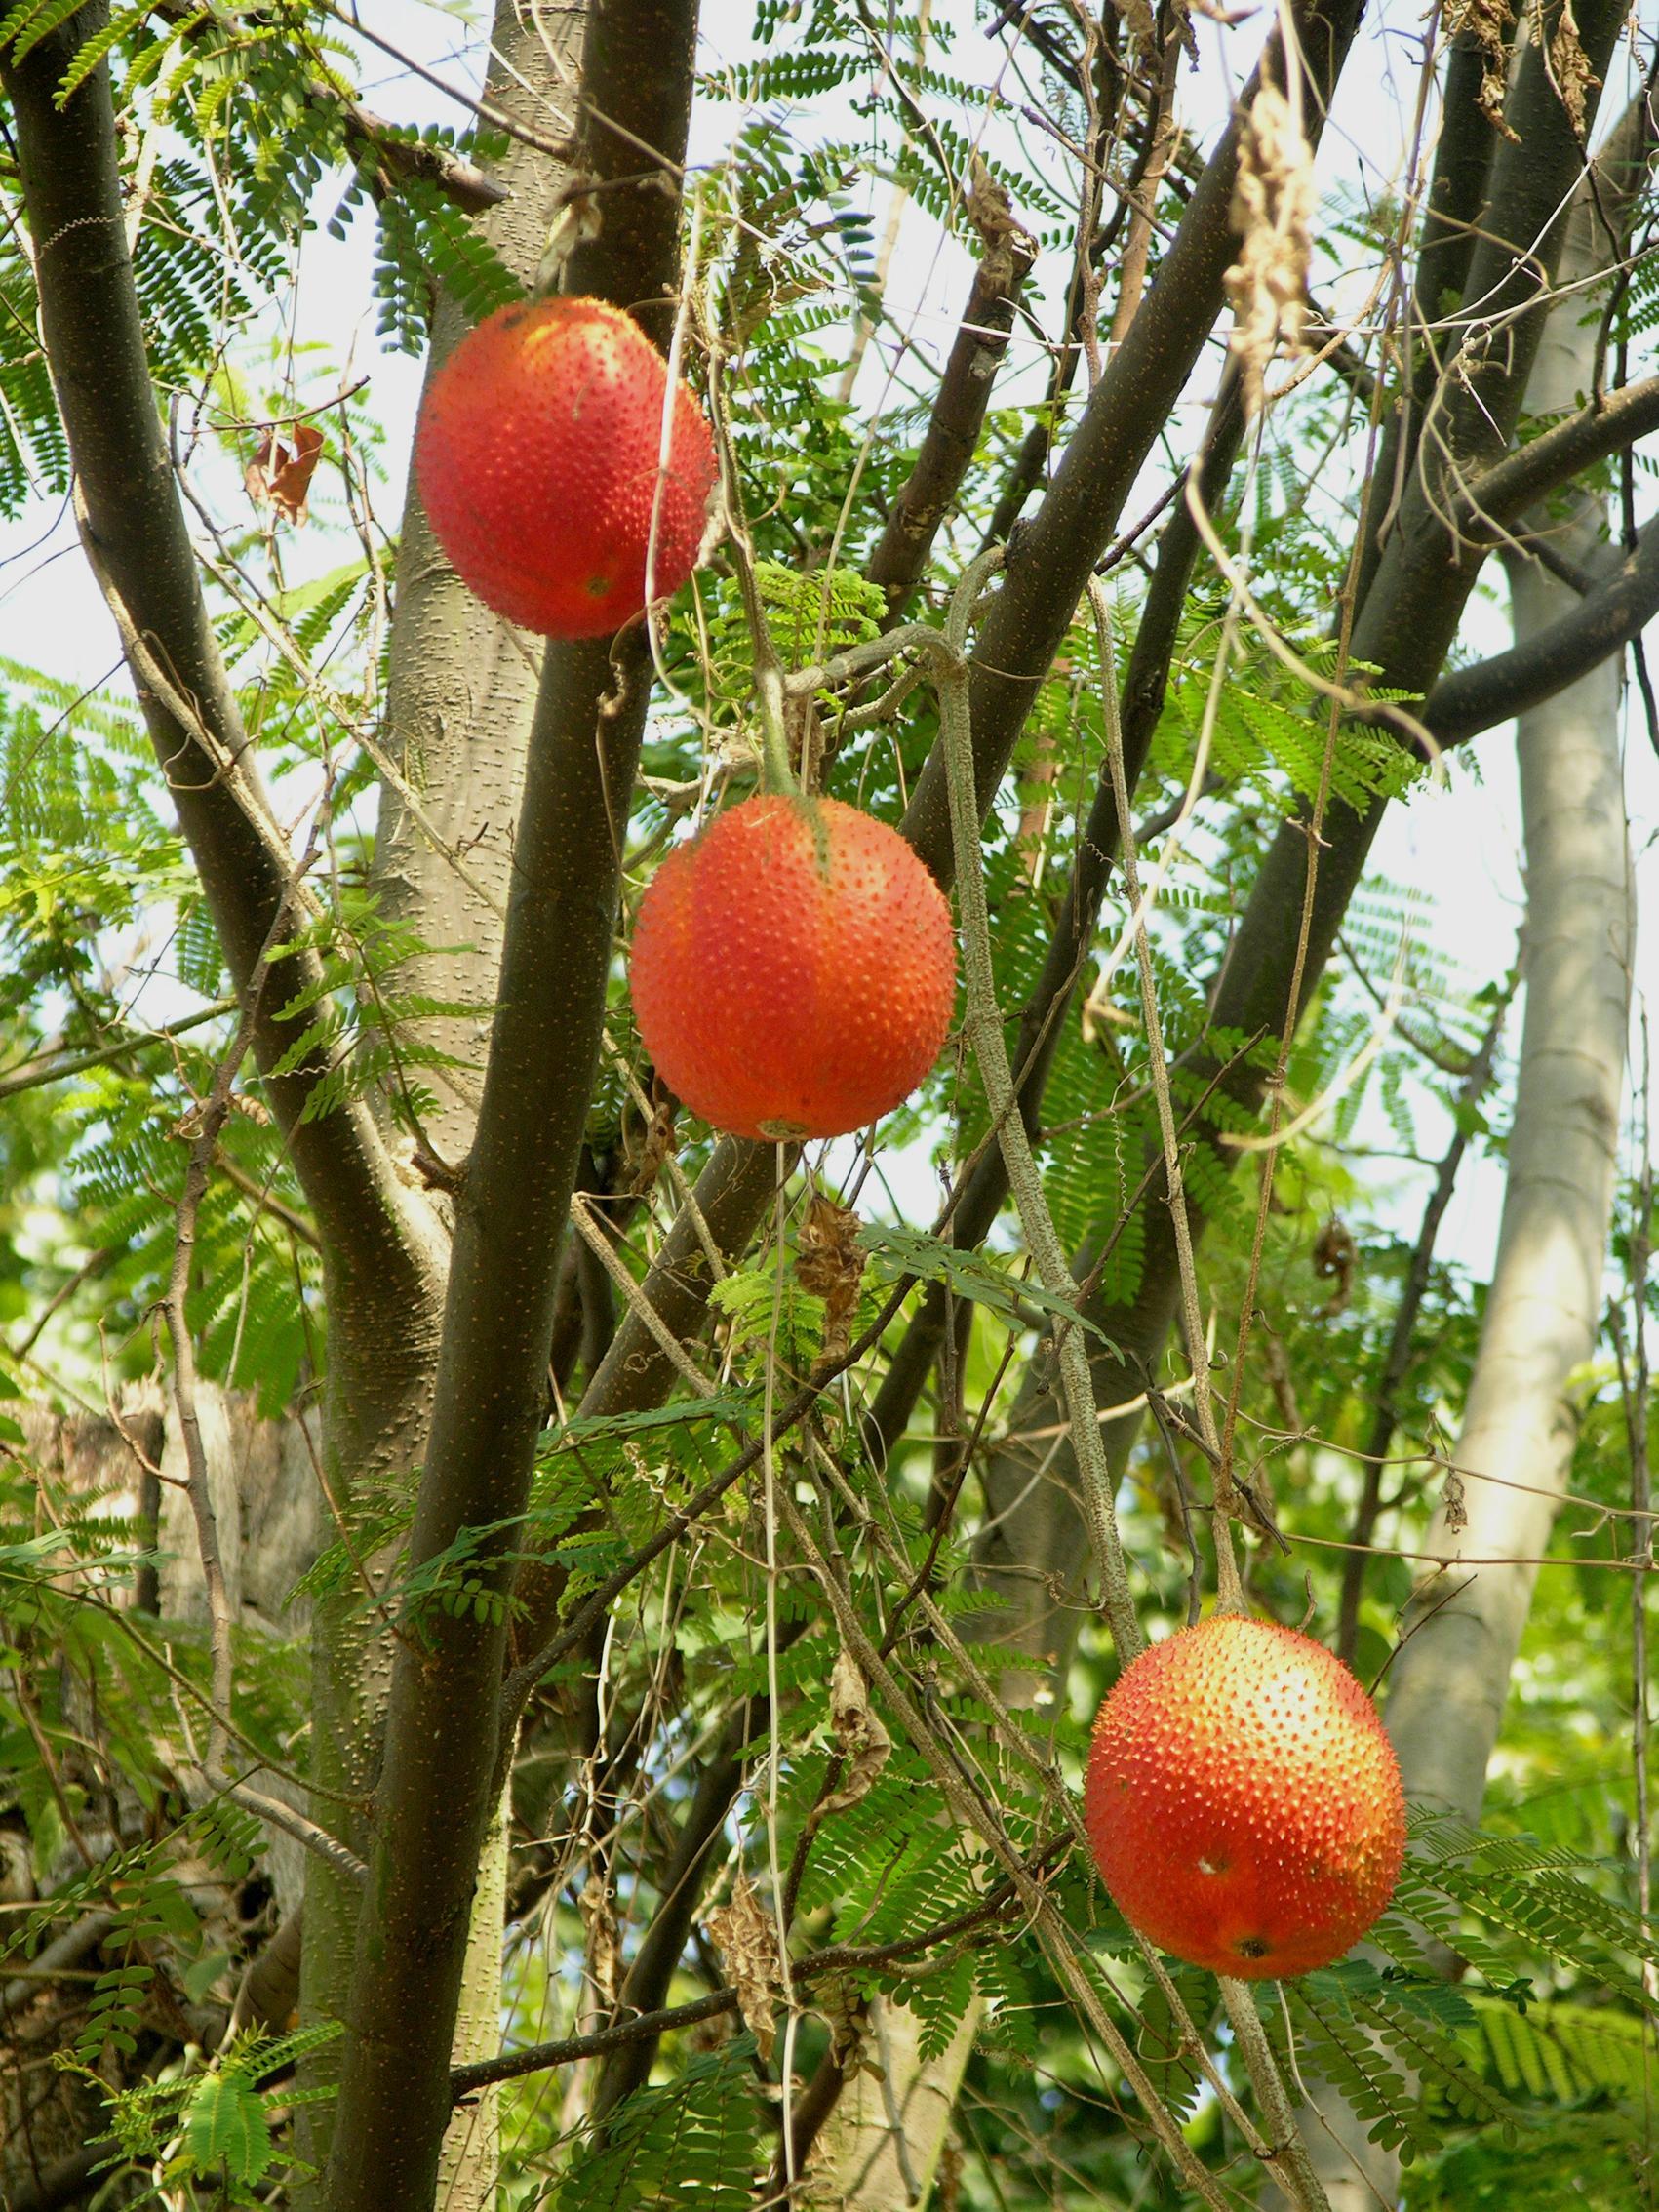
<point x="777" y="772"/>
<point x="1293" y="2168"/>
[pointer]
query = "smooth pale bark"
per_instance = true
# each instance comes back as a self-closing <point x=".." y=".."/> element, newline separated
<point x="462" y="682"/>
<point x="881" y="2146"/>
<point x="1450" y="1680"/>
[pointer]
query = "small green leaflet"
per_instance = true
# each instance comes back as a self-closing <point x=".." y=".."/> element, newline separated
<point x="731" y="1407"/>
<point x="226" y="2128"/>
<point x="896" y="1252"/>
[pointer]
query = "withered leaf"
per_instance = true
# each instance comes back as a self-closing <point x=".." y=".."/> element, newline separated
<point x="861" y="1737"/>
<point x="829" y="1263"/>
<point x="1569" y="66"/>
<point x="280" y="473"/>
<point x="743" y="1934"/>
<point x="1452" y="1506"/>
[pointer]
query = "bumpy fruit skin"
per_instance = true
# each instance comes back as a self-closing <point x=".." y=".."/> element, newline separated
<point x="793" y="969"/>
<point x="1242" y="1800"/>
<point x="537" y="457"/>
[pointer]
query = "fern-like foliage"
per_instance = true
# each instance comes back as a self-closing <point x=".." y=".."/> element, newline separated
<point x="213" y="2128"/>
<point x="690" y="2142"/>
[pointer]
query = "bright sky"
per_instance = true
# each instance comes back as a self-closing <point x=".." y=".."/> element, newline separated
<point x="1460" y="846"/>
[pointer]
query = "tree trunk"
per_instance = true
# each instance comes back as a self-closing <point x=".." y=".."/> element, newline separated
<point x="470" y="2160"/>
<point x="1451" y="1677"/>
<point x="881" y="2146"/>
<point x="461" y="693"/>
<point x="1464" y="1626"/>
<point x="437" y="1788"/>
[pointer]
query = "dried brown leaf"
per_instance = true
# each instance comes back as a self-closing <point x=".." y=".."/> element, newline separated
<point x="989" y="208"/>
<point x="830" y="1265"/>
<point x="1486" y="22"/>
<point x="1141" y="23"/>
<point x="743" y="1934"/>
<point x="846" y="2010"/>
<point x="604" y="1940"/>
<point x="1569" y="68"/>
<point x="1452" y="1505"/>
<point x="645" y="1148"/>
<point x="1009" y="246"/>
<point x="860" y="1735"/>
<point x="280" y="473"/>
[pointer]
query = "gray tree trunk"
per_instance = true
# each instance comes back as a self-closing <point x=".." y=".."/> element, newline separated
<point x="1464" y="1627"/>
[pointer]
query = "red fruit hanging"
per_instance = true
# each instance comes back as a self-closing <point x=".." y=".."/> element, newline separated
<point x="538" y="456"/>
<point x="793" y="969"/>
<point x="1243" y="1801"/>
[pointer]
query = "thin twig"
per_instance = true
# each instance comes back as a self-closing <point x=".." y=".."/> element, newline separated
<point x="833" y="1960"/>
<point x="1059" y="1941"/>
<point x="986" y="1028"/>
<point x="516" y="1685"/>
<point x="1635" y="1393"/>
<point x="210" y="1122"/>
<point x="51" y="1068"/>
<point x="1230" y="1592"/>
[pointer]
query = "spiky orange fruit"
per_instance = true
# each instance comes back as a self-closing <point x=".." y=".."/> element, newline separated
<point x="538" y="457"/>
<point x="1242" y="1800"/>
<point x="793" y="969"/>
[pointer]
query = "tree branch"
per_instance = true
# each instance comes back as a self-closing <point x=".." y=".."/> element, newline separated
<point x="1557" y="455"/>
<point x="1031" y="613"/>
<point x="1398" y="1357"/>
<point x="956" y="419"/>
<point x="436" y="1791"/>
<point x="397" y="159"/>
<point x="1018" y="641"/>
<point x="740" y="1179"/>
<point x="1457" y="191"/>
<point x="1145" y="682"/>
<point x="53" y="1067"/>
<point x="371" y="137"/>
<point x="1410" y="617"/>
<point x="67" y="2183"/>
<point x="594" y="1607"/>
<point x="62" y="1952"/>
<point x="681" y="1889"/>
<point x="1406" y="622"/>
<point x="832" y="1959"/>
<point x="1613" y="614"/>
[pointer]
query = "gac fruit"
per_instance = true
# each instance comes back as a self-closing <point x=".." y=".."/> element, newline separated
<point x="1243" y="1801"/>
<point x="538" y="457"/>
<point x="793" y="969"/>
